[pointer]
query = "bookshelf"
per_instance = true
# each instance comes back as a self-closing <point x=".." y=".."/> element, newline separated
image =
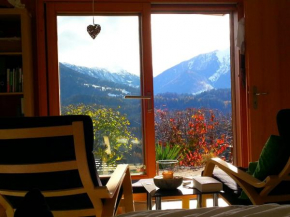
<point x="16" y="74"/>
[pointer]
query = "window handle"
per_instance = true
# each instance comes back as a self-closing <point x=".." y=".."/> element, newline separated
<point x="138" y="97"/>
<point x="149" y="98"/>
<point x="255" y="97"/>
<point x="259" y="94"/>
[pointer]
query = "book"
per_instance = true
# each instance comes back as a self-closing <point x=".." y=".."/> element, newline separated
<point x="206" y="184"/>
<point x="14" y="80"/>
<point x="20" y="80"/>
<point x="8" y="81"/>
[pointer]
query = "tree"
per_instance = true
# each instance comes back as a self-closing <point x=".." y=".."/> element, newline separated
<point x="198" y="131"/>
<point x="113" y="140"/>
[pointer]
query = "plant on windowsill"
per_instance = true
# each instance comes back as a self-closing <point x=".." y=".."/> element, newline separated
<point x="167" y="151"/>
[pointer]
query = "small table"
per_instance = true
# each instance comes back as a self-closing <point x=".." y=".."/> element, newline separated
<point x="183" y="190"/>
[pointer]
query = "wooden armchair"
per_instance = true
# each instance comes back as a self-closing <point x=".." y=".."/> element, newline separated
<point x="54" y="155"/>
<point x="259" y="192"/>
<point x="273" y="187"/>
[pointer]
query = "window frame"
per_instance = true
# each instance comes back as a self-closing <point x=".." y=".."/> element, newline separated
<point x="47" y="65"/>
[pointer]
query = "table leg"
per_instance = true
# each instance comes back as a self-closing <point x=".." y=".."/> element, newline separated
<point x="158" y="203"/>
<point x="215" y="199"/>
<point x="185" y="203"/>
<point x="199" y="201"/>
<point x="149" y="202"/>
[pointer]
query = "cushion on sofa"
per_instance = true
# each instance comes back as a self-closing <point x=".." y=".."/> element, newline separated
<point x="273" y="158"/>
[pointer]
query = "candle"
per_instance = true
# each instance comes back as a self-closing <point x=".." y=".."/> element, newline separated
<point x="167" y="174"/>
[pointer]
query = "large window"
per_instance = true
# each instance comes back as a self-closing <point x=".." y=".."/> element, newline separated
<point x="192" y="88"/>
<point x="95" y="76"/>
<point x="144" y="55"/>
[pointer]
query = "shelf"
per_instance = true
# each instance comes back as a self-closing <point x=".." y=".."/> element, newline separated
<point x="11" y="39"/>
<point x="10" y="53"/>
<point x="16" y="52"/>
<point x="10" y="45"/>
<point x="12" y="93"/>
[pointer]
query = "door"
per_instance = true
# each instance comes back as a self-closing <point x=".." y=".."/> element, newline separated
<point x="267" y="61"/>
<point x="50" y="95"/>
<point x="97" y="88"/>
<point x="192" y="90"/>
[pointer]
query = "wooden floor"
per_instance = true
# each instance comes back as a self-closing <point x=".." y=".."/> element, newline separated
<point x="169" y="204"/>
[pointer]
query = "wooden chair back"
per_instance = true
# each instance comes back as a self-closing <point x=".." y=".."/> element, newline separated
<point x="54" y="155"/>
<point x="275" y="188"/>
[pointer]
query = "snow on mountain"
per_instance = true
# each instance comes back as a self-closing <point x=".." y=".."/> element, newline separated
<point x="122" y="76"/>
<point x="200" y="73"/>
<point x="224" y="59"/>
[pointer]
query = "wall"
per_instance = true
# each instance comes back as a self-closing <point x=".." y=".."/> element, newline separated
<point x="267" y="25"/>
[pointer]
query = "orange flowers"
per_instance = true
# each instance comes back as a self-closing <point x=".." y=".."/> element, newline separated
<point x="200" y="131"/>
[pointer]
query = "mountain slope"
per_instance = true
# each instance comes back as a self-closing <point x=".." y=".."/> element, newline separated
<point x="74" y="84"/>
<point x="121" y="77"/>
<point x="198" y="74"/>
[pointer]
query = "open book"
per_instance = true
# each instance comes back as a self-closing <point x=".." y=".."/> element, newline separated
<point x="206" y="184"/>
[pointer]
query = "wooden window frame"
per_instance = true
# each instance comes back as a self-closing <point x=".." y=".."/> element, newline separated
<point x="48" y="87"/>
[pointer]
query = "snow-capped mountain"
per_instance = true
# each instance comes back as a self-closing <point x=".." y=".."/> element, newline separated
<point x="121" y="77"/>
<point x="198" y="74"/>
<point x="201" y="73"/>
<point x="210" y="71"/>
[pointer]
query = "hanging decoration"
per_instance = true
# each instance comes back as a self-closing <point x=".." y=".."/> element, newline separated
<point x="94" y="29"/>
<point x="16" y="3"/>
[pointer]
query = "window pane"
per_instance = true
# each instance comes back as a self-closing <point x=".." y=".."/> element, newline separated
<point x="192" y="88"/>
<point x="95" y="75"/>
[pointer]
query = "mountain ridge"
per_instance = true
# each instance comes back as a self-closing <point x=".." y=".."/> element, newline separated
<point x="200" y="73"/>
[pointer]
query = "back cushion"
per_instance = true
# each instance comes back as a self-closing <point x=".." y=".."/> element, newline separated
<point x="273" y="158"/>
<point x="283" y="120"/>
<point x="44" y="150"/>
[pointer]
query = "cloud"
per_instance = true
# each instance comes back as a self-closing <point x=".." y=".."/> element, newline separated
<point x="179" y="37"/>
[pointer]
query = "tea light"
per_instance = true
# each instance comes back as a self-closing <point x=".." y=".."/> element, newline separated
<point x="167" y="175"/>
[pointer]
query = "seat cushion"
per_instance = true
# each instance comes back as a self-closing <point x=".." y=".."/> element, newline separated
<point x="138" y="187"/>
<point x="231" y="190"/>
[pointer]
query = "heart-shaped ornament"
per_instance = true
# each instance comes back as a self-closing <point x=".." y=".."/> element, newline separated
<point x="94" y="30"/>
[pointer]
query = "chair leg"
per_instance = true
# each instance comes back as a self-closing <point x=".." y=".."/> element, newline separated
<point x="204" y="198"/>
<point x="2" y="212"/>
<point x="6" y="209"/>
<point x="185" y="203"/>
<point x="109" y="207"/>
<point x="128" y="192"/>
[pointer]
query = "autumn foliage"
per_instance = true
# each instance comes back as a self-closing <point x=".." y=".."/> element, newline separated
<point x="191" y="135"/>
<point x="202" y="133"/>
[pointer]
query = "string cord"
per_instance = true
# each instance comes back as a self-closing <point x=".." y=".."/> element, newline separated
<point x="93" y="12"/>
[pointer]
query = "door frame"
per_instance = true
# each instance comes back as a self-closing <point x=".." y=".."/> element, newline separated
<point x="51" y="99"/>
<point x="48" y="94"/>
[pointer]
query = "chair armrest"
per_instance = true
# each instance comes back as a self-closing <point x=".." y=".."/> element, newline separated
<point x="232" y="171"/>
<point x="117" y="178"/>
<point x="121" y="176"/>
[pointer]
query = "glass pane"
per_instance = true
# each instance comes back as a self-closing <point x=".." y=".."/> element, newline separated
<point x="95" y="75"/>
<point x="192" y="88"/>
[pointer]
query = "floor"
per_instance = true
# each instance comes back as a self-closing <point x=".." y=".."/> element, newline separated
<point x="177" y="204"/>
